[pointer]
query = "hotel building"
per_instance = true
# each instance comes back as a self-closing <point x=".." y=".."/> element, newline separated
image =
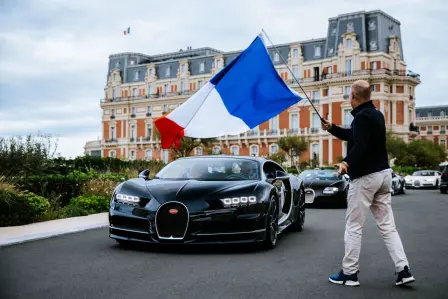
<point x="361" y="45"/>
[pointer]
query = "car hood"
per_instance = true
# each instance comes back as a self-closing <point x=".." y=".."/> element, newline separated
<point x="318" y="186"/>
<point x="191" y="190"/>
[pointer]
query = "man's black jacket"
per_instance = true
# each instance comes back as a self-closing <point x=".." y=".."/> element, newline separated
<point x="366" y="141"/>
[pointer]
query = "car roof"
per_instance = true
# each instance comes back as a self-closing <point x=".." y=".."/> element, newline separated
<point x="257" y="159"/>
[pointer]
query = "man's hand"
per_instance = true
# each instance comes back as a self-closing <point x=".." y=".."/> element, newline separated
<point x="326" y="125"/>
<point x="342" y="168"/>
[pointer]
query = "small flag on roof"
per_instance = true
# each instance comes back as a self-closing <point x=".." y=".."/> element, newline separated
<point x="127" y="31"/>
<point x="246" y="93"/>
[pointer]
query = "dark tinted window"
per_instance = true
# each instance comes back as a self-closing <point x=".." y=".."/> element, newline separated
<point x="322" y="175"/>
<point x="424" y="173"/>
<point x="212" y="169"/>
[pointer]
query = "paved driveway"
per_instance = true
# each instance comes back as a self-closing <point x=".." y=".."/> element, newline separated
<point x="90" y="265"/>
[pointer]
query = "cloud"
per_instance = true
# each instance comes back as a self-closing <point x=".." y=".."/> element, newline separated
<point x="54" y="53"/>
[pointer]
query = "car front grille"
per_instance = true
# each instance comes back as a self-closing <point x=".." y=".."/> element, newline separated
<point x="417" y="183"/>
<point x="172" y="220"/>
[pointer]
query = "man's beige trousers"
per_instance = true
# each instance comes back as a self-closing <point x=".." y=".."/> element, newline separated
<point x="372" y="192"/>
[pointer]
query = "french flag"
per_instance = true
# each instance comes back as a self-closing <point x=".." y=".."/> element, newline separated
<point x="246" y="93"/>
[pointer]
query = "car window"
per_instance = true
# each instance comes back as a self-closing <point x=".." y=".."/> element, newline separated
<point x="322" y="175"/>
<point x="210" y="169"/>
<point x="424" y="173"/>
<point x="270" y="168"/>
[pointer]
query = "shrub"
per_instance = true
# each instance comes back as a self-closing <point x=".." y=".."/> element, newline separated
<point x="91" y="203"/>
<point x="74" y="211"/>
<point x="21" y="208"/>
<point x="100" y="186"/>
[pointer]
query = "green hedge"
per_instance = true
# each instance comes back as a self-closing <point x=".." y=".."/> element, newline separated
<point x="21" y="208"/>
<point x="90" y="203"/>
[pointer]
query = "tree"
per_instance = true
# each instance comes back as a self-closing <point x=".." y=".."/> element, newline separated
<point x="278" y="157"/>
<point x="293" y="146"/>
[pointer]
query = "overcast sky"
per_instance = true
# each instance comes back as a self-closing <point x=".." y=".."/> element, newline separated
<point x="54" y="53"/>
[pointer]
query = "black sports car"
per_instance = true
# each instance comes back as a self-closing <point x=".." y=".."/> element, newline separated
<point x="209" y="199"/>
<point x="325" y="186"/>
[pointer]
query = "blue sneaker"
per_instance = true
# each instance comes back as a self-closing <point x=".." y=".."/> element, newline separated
<point x="348" y="280"/>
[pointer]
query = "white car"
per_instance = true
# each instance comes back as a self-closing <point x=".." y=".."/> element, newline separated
<point x="423" y="178"/>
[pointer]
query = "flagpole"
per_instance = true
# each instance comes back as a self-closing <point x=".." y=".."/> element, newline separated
<point x="297" y="81"/>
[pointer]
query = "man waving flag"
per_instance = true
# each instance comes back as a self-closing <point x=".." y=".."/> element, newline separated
<point x="246" y="93"/>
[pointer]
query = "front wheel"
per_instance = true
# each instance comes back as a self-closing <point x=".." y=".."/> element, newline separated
<point x="272" y="224"/>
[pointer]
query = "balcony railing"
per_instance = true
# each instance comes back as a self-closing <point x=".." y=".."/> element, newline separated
<point x="315" y="130"/>
<point x="429" y="132"/>
<point x="146" y="97"/>
<point x="111" y="140"/>
<point x="431" y="118"/>
<point x="442" y="131"/>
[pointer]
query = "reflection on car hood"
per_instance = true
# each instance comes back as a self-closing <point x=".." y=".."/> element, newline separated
<point x="192" y="190"/>
<point x="320" y="184"/>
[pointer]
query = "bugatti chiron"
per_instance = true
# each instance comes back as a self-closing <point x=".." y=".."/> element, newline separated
<point x="208" y="199"/>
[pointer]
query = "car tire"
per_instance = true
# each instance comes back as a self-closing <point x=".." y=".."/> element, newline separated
<point x="299" y="224"/>
<point x="443" y="190"/>
<point x="403" y="189"/>
<point x="271" y="224"/>
<point x="437" y="184"/>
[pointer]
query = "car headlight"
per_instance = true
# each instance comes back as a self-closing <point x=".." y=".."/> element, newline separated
<point x="331" y="190"/>
<point x="127" y="199"/>
<point x="238" y="201"/>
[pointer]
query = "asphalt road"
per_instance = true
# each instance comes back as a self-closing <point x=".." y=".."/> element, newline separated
<point x="90" y="265"/>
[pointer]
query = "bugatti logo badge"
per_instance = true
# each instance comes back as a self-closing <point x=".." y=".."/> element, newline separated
<point x="173" y="211"/>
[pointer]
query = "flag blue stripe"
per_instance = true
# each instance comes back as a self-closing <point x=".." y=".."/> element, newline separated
<point x="251" y="88"/>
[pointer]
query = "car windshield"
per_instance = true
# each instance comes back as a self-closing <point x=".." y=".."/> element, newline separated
<point x="424" y="173"/>
<point x="211" y="169"/>
<point x="323" y="175"/>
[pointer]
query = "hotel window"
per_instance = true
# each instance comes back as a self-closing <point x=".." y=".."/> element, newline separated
<point x="117" y="64"/>
<point x="316" y="121"/>
<point x="136" y="74"/>
<point x="148" y="130"/>
<point x="442" y="113"/>
<point x="443" y="143"/>
<point x="112" y="154"/>
<point x="183" y="85"/>
<point x="166" y="88"/>
<point x="349" y="44"/>
<point x="133" y="155"/>
<point x="235" y="150"/>
<point x="374" y="65"/>
<point x="184" y="68"/>
<point x="219" y="63"/>
<point x="150" y="89"/>
<point x="115" y="77"/>
<point x="276" y="57"/>
<point x="317" y="51"/>
<point x="165" y="156"/>
<point x="295" y="53"/>
<point x="167" y="71"/>
<point x="348" y="67"/>
<point x="254" y="150"/>
<point x="133" y="110"/>
<point x="347" y="90"/>
<point x="112" y="133"/>
<point x="114" y="93"/>
<point x="315" y="150"/>
<point x="429" y="113"/>
<point x="373" y="87"/>
<point x="202" y="67"/>
<point x="165" y="108"/>
<point x="348" y="118"/>
<point x="274" y="124"/>
<point x="135" y="92"/>
<point x="112" y="111"/>
<point x="295" y="122"/>
<point x="150" y="72"/>
<point x="133" y="131"/>
<point x="216" y="150"/>
<point x="148" y="154"/>
<point x="274" y="148"/>
<point x="149" y="110"/>
<point x="315" y="95"/>
<point x="200" y="84"/>
<point x="198" y="151"/>
<point x="295" y="71"/>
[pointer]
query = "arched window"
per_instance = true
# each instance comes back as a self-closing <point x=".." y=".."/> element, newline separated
<point x="273" y="148"/>
<point x="235" y="150"/>
<point x="254" y="150"/>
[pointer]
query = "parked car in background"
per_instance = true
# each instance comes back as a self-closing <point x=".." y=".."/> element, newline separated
<point x="398" y="184"/>
<point x="423" y="179"/>
<point x="325" y="186"/>
<point x="444" y="181"/>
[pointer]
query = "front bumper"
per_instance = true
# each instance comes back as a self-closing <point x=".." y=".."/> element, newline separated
<point x="232" y="225"/>
<point x="322" y="198"/>
<point x="420" y="184"/>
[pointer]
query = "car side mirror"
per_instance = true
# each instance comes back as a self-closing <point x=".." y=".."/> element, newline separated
<point x="347" y="177"/>
<point x="144" y="174"/>
<point x="281" y="175"/>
